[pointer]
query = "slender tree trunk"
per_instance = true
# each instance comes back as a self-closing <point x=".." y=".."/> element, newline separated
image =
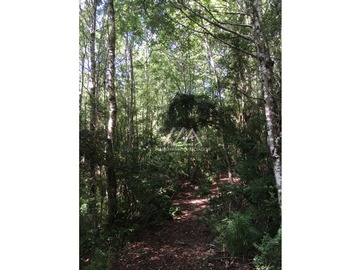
<point x="267" y="74"/>
<point x="148" y="122"/>
<point x="132" y="96"/>
<point x="93" y="124"/>
<point x="131" y="85"/>
<point x="81" y="87"/>
<point x="218" y="87"/>
<point x="110" y="74"/>
<point x="102" y="192"/>
<point x="213" y="70"/>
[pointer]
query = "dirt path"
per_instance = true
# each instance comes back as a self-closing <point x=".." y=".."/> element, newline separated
<point x="186" y="243"/>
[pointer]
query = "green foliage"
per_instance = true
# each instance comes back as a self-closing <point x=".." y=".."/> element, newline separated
<point x="270" y="253"/>
<point x="87" y="237"/>
<point x="190" y="111"/>
<point x="156" y="209"/>
<point x="238" y="232"/>
<point x="92" y="145"/>
<point x="174" y="210"/>
<point x="225" y="121"/>
<point x="261" y="196"/>
<point x="101" y="260"/>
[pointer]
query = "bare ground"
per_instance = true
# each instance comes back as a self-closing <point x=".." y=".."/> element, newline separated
<point x="186" y="243"/>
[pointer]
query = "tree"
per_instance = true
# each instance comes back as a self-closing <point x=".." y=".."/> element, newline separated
<point x="267" y="74"/>
<point x="110" y="151"/>
<point x="93" y="120"/>
<point x="131" y="84"/>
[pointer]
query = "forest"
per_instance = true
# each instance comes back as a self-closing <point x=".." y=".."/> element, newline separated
<point x="180" y="134"/>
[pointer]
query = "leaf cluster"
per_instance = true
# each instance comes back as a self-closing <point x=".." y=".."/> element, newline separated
<point x="190" y="111"/>
<point x="270" y="253"/>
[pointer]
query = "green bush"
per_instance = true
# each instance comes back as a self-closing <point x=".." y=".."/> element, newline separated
<point x="238" y="233"/>
<point x="101" y="261"/>
<point x="270" y="253"/>
<point x="155" y="209"/>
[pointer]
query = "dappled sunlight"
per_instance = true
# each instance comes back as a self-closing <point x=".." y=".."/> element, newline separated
<point x="185" y="243"/>
<point x="194" y="202"/>
<point x="198" y="201"/>
<point x="228" y="180"/>
<point x="190" y="205"/>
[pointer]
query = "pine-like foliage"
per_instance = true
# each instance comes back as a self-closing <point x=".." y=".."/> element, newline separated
<point x="270" y="253"/>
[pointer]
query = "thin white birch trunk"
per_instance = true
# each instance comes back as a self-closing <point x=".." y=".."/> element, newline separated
<point x="110" y="85"/>
<point x="267" y="75"/>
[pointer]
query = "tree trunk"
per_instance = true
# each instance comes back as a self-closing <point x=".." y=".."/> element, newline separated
<point x="213" y="70"/>
<point x="132" y="96"/>
<point x="81" y="87"/>
<point x="93" y="93"/>
<point x="110" y="74"/>
<point x="148" y="121"/>
<point x="266" y="71"/>
<point x="131" y="85"/>
<point x="212" y="66"/>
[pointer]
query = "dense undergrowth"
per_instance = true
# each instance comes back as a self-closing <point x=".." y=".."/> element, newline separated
<point x="245" y="215"/>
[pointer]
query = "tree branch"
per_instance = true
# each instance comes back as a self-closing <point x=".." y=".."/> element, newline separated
<point x="218" y="21"/>
<point x="209" y="21"/>
<point x="206" y="31"/>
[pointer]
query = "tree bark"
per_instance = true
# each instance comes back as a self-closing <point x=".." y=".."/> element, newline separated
<point x="93" y="93"/>
<point x="132" y="92"/>
<point x="212" y="66"/>
<point x="267" y="74"/>
<point x="81" y="87"/>
<point x="110" y="76"/>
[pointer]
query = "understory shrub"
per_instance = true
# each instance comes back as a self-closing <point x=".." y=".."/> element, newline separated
<point x="101" y="260"/>
<point x="156" y="208"/>
<point x="270" y="253"/>
<point x="238" y="233"/>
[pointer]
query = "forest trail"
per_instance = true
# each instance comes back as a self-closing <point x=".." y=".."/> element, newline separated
<point x="184" y="244"/>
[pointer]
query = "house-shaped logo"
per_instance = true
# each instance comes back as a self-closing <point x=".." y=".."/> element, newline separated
<point x="185" y="137"/>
